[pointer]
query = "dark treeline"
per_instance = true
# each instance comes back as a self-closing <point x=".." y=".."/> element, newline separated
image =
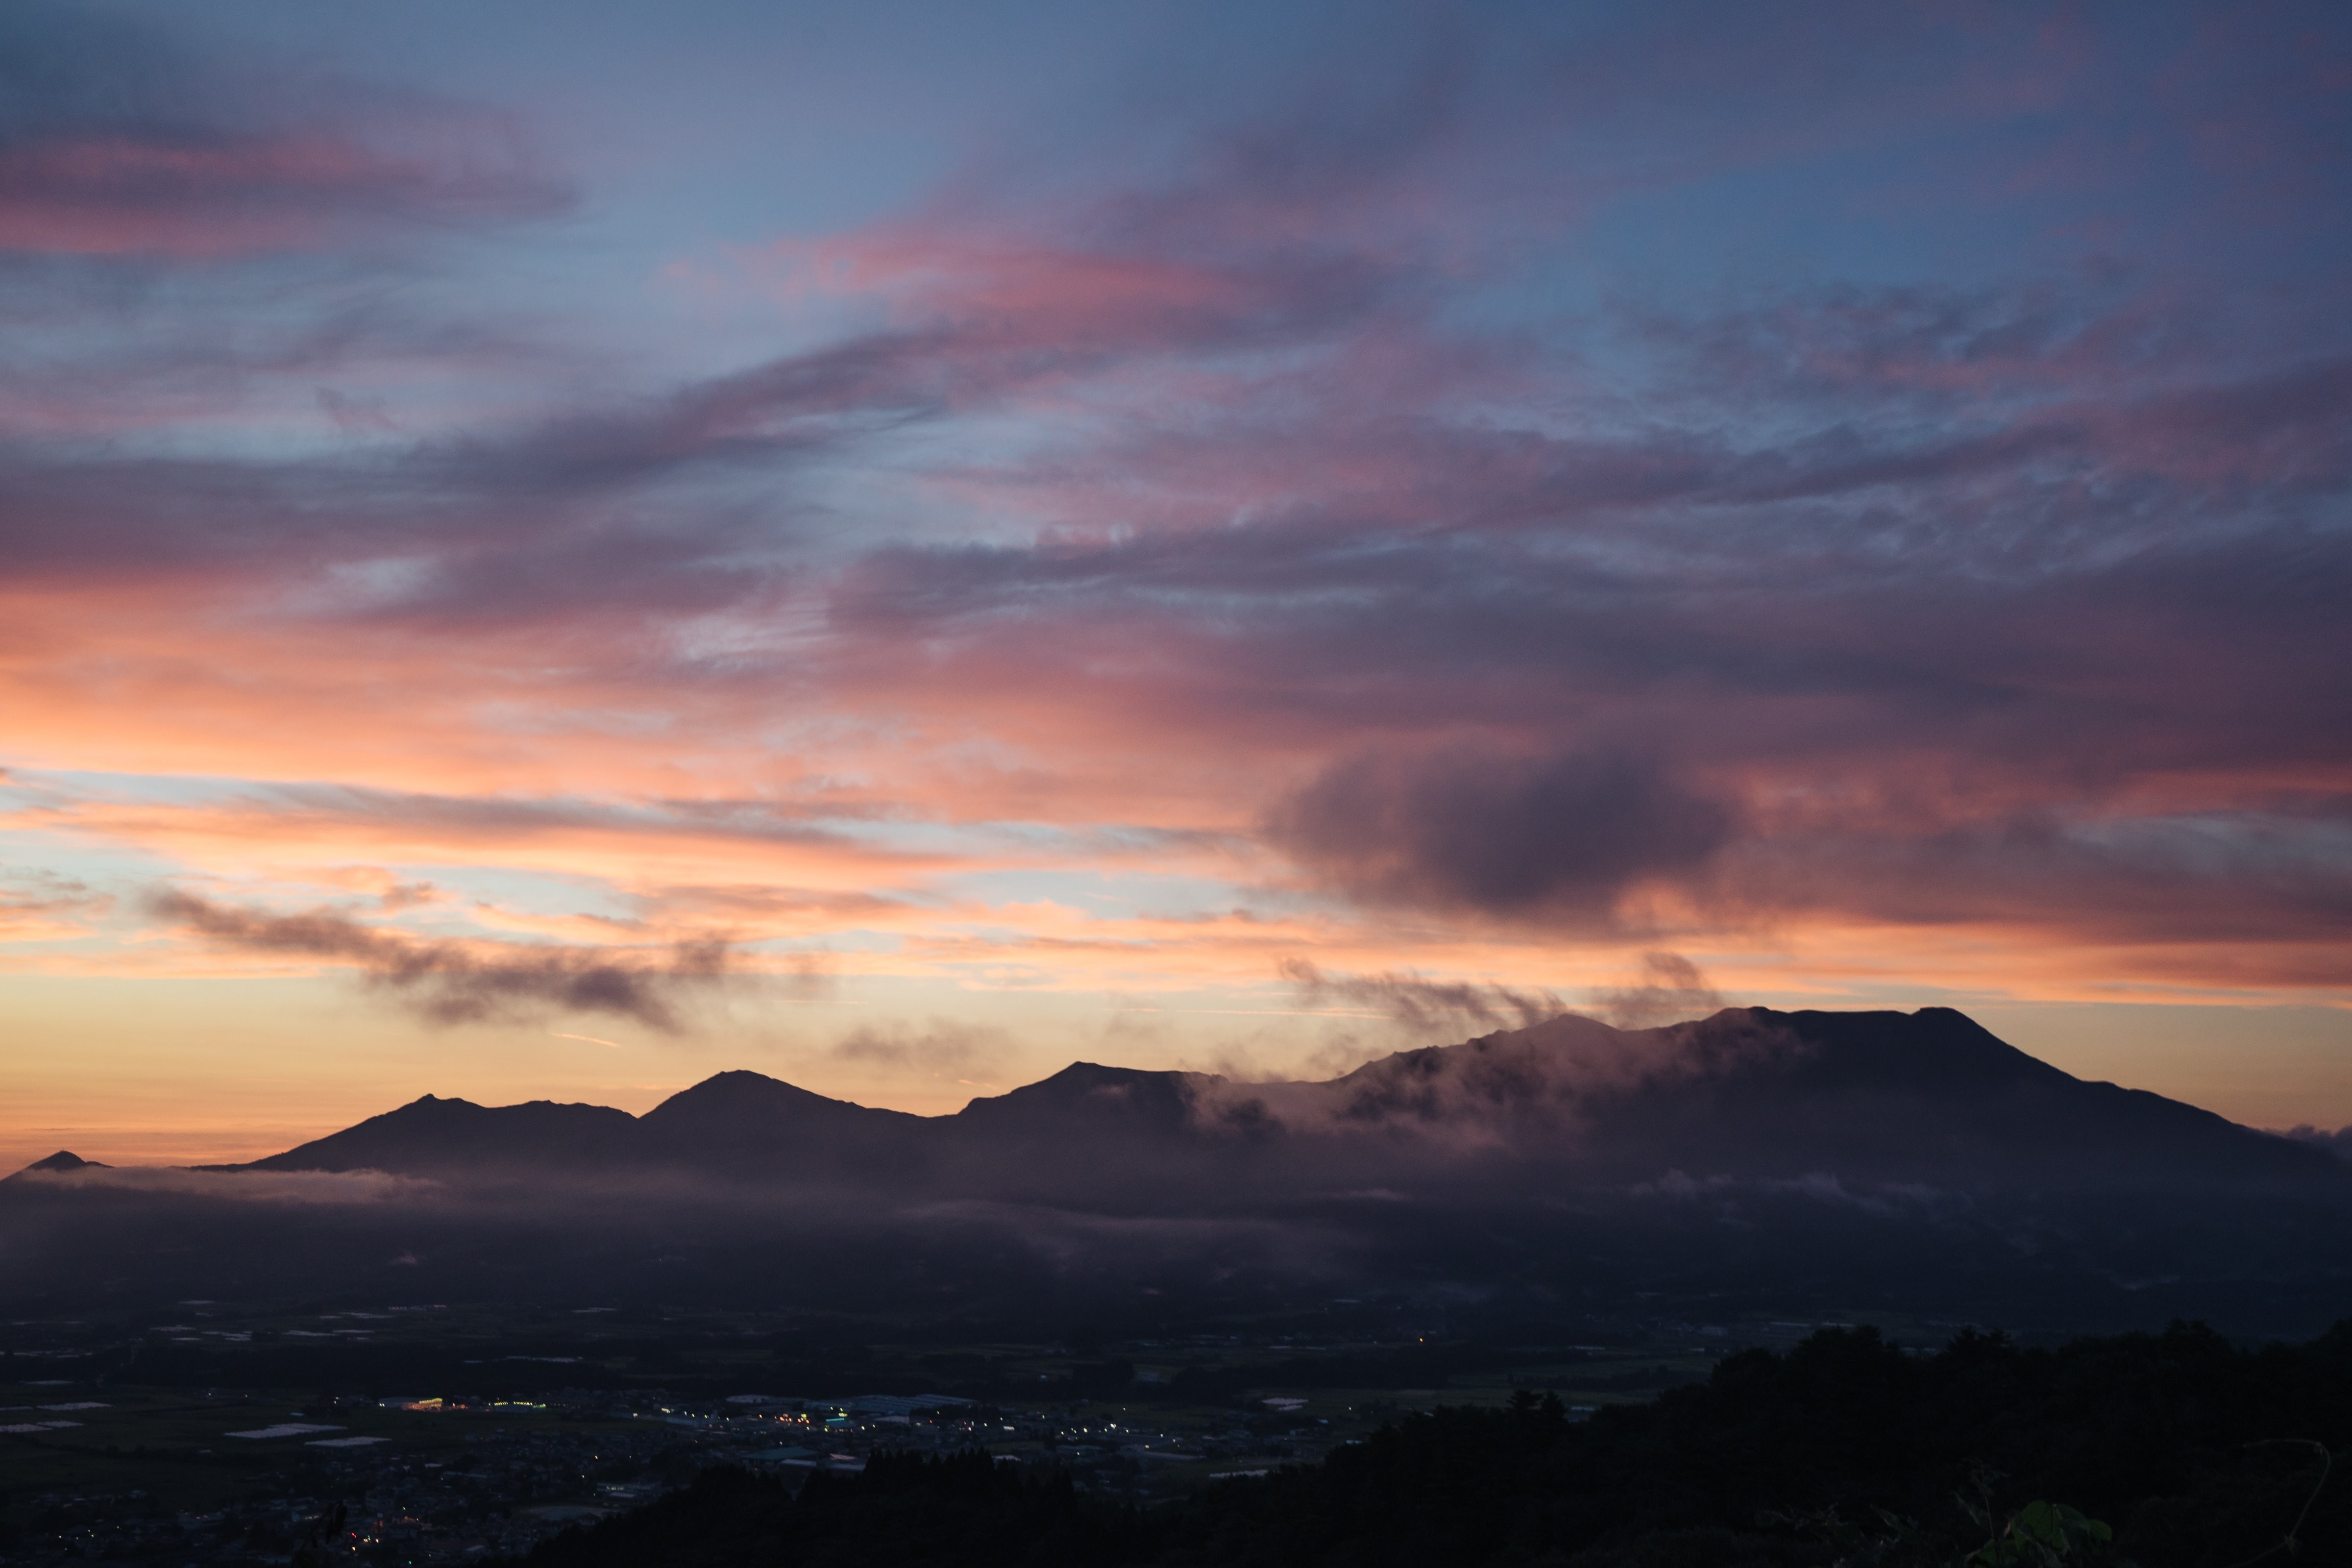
<point x="2188" y="1452"/>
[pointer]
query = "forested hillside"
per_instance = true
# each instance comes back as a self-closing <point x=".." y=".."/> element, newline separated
<point x="2176" y="1450"/>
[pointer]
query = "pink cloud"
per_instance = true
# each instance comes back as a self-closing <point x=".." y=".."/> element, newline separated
<point x="212" y="198"/>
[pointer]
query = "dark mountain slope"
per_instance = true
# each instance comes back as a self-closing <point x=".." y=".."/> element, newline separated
<point x="1129" y="1101"/>
<point x="746" y="1123"/>
<point x="1093" y="1135"/>
<point x="1929" y="1096"/>
<point x="432" y="1134"/>
<point x="64" y="1160"/>
<point x="1751" y="1093"/>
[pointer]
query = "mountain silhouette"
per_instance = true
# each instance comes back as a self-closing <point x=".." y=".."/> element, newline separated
<point x="430" y="1135"/>
<point x="1817" y="1161"/>
<point x="67" y="1160"/>
<point x="1131" y="1102"/>
<point x="1748" y="1094"/>
<point x="746" y="1123"/>
<point x="1751" y="1092"/>
<point x="1934" y="1094"/>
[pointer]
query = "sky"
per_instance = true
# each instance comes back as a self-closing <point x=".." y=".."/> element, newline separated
<point x="548" y="550"/>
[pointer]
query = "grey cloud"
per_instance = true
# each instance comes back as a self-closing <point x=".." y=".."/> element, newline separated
<point x="944" y="1046"/>
<point x="355" y="415"/>
<point x="2338" y="1142"/>
<point x="1563" y="835"/>
<point x="2244" y="876"/>
<point x="244" y="1186"/>
<point x="1544" y="1079"/>
<point x="39" y="893"/>
<point x="406" y="896"/>
<point x="1671" y="988"/>
<point x="450" y="983"/>
<point x="1422" y="1005"/>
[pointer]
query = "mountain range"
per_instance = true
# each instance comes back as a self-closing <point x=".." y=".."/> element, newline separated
<point x="1795" y="1161"/>
<point x="1928" y="1097"/>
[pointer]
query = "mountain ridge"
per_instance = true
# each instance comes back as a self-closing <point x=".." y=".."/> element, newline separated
<point x="1815" y="1161"/>
<point x="1752" y="1094"/>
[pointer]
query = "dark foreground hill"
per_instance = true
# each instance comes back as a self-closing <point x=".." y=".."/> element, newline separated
<point x="2168" y="1451"/>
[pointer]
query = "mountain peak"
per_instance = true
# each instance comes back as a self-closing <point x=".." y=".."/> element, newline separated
<point x="1088" y="1076"/>
<point x="739" y="1121"/>
<point x="1135" y="1098"/>
<point x="1934" y="1049"/>
<point x="743" y="1084"/>
<point x="739" y="1093"/>
<point x="430" y="1133"/>
<point x="67" y="1160"/>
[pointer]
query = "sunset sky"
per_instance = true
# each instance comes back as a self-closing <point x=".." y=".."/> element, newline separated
<point x="551" y="548"/>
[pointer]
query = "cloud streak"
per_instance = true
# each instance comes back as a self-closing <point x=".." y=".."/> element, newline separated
<point x="1671" y="988"/>
<point x="1422" y="1004"/>
<point x="451" y="983"/>
<point x="944" y="1048"/>
<point x="305" y="1188"/>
